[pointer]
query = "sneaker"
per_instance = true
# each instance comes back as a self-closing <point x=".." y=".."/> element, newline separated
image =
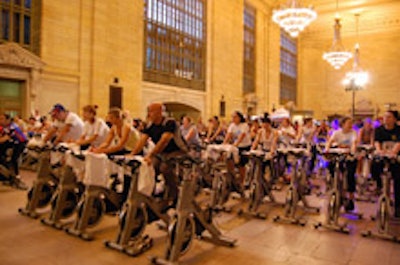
<point x="18" y="183"/>
<point x="349" y="206"/>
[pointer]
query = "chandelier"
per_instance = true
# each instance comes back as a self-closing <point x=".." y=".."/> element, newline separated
<point x="337" y="55"/>
<point x="294" y="18"/>
<point x="357" y="78"/>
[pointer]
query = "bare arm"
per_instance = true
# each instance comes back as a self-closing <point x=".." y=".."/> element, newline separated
<point x="62" y="133"/>
<point x="396" y="149"/>
<point x="217" y="132"/>
<point x="299" y="134"/>
<point x="274" y="142"/>
<point x="83" y="141"/>
<point x="227" y="138"/>
<point x="329" y="143"/>
<point x="359" y="136"/>
<point x="124" y="139"/>
<point x="51" y="132"/>
<point x="256" y="140"/>
<point x="140" y="144"/>
<point x="190" y="134"/>
<point x="160" y="146"/>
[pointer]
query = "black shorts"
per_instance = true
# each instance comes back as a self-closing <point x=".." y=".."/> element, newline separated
<point x="243" y="159"/>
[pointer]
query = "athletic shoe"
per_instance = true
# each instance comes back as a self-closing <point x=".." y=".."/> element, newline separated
<point x="18" y="183"/>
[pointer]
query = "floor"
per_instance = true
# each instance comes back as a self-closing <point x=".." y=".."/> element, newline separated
<point x="27" y="241"/>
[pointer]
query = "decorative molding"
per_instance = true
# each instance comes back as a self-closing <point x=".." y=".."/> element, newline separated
<point x="14" y="55"/>
<point x="20" y="64"/>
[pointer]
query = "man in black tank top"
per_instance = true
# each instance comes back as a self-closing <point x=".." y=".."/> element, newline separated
<point x="162" y="131"/>
<point x="387" y="140"/>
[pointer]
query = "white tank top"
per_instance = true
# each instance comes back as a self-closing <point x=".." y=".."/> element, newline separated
<point x="266" y="140"/>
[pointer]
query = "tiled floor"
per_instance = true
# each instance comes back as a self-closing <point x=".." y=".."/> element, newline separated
<point x="27" y="241"/>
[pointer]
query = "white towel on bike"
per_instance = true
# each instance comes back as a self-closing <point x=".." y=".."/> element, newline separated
<point x="214" y="151"/>
<point x="146" y="177"/>
<point x="98" y="169"/>
<point x="77" y="165"/>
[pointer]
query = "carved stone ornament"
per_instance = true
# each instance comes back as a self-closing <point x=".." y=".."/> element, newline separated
<point x="15" y="55"/>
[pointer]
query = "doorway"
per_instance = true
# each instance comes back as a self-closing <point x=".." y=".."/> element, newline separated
<point x="12" y="97"/>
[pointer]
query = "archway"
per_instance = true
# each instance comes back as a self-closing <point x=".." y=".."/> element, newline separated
<point x="177" y="110"/>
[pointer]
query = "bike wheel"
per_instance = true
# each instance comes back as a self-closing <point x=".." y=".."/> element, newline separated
<point x="95" y="213"/>
<point x="187" y="237"/>
<point x="44" y="194"/>
<point x="70" y="203"/>
<point x="220" y="189"/>
<point x="138" y="222"/>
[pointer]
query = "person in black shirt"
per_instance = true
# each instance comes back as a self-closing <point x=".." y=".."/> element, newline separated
<point x="161" y="130"/>
<point x="387" y="140"/>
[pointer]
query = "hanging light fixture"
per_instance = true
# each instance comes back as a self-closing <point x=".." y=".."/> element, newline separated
<point x="337" y="55"/>
<point x="293" y="18"/>
<point x="357" y="78"/>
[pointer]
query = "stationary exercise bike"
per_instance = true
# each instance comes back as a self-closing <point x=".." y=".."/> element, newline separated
<point x="297" y="189"/>
<point x="45" y="185"/>
<point x="7" y="175"/>
<point x="364" y="180"/>
<point x="383" y="209"/>
<point x="335" y="196"/>
<point x="190" y="220"/>
<point x="30" y="156"/>
<point x="260" y="184"/>
<point x="68" y="193"/>
<point x="98" y="198"/>
<point x="139" y="210"/>
<point x="224" y="179"/>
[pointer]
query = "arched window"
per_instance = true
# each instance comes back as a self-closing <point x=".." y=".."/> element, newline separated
<point x="175" y="42"/>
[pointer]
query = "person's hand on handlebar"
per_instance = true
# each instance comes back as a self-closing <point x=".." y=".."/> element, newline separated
<point x="148" y="159"/>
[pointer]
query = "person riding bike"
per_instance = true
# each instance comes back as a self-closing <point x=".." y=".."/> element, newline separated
<point x="165" y="134"/>
<point x="66" y="127"/>
<point x="11" y="137"/>
<point x="387" y="141"/>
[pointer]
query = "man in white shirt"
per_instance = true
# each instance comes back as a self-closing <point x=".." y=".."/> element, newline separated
<point x="67" y="126"/>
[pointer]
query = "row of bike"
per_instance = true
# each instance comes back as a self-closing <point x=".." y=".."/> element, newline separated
<point x="90" y="185"/>
<point x="71" y="181"/>
<point x="264" y="169"/>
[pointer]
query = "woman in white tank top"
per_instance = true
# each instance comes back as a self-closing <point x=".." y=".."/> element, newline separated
<point x="267" y="137"/>
<point x="307" y="132"/>
<point x="122" y="136"/>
